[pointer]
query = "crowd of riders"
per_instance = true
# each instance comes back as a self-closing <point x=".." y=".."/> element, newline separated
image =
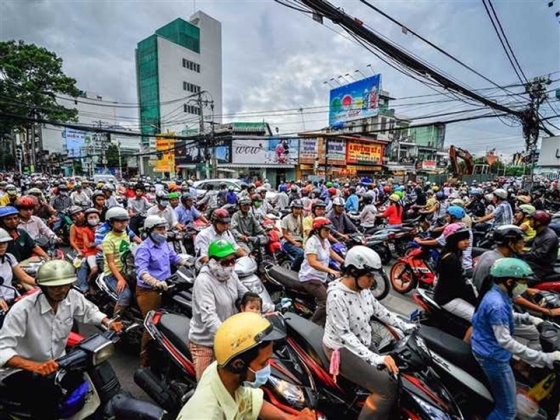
<point x="232" y="346"/>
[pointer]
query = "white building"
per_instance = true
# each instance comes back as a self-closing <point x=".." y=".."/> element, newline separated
<point x="175" y="64"/>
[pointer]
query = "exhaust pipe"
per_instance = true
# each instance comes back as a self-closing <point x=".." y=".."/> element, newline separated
<point x="157" y="390"/>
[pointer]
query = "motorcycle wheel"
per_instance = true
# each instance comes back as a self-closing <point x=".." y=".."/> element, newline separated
<point x="402" y="278"/>
<point x="287" y="264"/>
<point x="384" y="253"/>
<point x="382" y="286"/>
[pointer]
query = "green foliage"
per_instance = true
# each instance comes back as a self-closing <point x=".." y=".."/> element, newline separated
<point x="112" y="156"/>
<point x="31" y="78"/>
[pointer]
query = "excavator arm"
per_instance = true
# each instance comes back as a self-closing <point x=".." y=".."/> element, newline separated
<point x="454" y="154"/>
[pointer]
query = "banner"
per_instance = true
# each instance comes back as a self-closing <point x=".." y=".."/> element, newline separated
<point x="165" y="163"/>
<point x="193" y="153"/>
<point x="251" y="151"/>
<point x="364" y="153"/>
<point x="285" y="151"/>
<point x="337" y="152"/>
<point x="308" y="150"/>
<point x="429" y="165"/>
<point x="355" y="101"/>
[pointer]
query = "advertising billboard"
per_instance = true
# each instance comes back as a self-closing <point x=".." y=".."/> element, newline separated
<point x="167" y="161"/>
<point x="429" y="165"/>
<point x="76" y="140"/>
<point x="364" y="153"/>
<point x="251" y="151"/>
<point x="193" y="154"/>
<point x="355" y="101"/>
<point x="549" y="153"/>
<point x="285" y="151"/>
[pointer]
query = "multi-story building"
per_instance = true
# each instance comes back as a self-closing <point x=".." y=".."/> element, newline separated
<point x="179" y="78"/>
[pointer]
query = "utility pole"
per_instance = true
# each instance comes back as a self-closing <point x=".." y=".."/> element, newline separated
<point x="530" y="117"/>
<point x="213" y="139"/>
<point x="120" y="158"/>
<point x="203" y="136"/>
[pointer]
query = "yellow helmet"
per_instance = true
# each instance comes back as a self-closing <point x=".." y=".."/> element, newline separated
<point x="435" y="188"/>
<point x="240" y="333"/>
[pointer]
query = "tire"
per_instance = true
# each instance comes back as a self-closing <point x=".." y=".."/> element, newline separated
<point x="402" y="278"/>
<point x="287" y="264"/>
<point x="384" y="253"/>
<point x="383" y="286"/>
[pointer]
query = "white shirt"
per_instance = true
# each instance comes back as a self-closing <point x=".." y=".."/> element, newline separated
<point x="6" y="273"/>
<point x="321" y="248"/>
<point x="206" y="236"/>
<point x="167" y="213"/>
<point x="35" y="227"/>
<point x="33" y="331"/>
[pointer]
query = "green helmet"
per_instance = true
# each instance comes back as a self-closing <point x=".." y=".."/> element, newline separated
<point x="173" y="195"/>
<point x="220" y="249"/>
<point x="56" y="273"/>
<point x="399" y="193"/>
<point x="527" y="209"/>
<point x="511" y="268"/>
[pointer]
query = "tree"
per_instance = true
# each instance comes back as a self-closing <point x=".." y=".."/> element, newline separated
<point x="112" y="156"/>
<point x="31" y="78"/>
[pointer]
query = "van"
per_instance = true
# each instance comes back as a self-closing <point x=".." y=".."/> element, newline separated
<point x="106" y="178"/>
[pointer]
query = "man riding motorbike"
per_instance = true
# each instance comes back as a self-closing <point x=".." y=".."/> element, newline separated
<point x="502" y="214"/>
<point x="245" y="225"/>
<point x="544" y="251"/>
<point x="340" y="220"/>
<point x="33" y="225"/>
<point x="22" y="247"/>
<point x="137" y="208"/>
<point x="187" y="213"/>
<point x="292" y="232"/>
<point x="163" y="209"/>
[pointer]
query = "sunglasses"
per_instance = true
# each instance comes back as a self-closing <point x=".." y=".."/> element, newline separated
<point x="228" y="262"/>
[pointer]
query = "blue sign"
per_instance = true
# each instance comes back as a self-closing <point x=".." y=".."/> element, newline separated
<point x="355" y="101"/>
<point x="75" y="142"/>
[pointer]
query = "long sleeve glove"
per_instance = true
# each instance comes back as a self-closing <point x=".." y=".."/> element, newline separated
<point x="155" y="283"/>
<point x="535" y="320"/>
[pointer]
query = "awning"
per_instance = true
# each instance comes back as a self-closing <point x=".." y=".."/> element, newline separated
<point x="255" y="165"/>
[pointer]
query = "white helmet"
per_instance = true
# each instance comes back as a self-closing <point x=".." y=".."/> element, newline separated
<point x="116" y="213"/>
<point x="338" y="201"/>
<point x="362" y="258"/>
<point x="5" y="236"/>
<point x="154" y="221"/>
<point x="488" y="197"/>
<point x="500" y="193"/>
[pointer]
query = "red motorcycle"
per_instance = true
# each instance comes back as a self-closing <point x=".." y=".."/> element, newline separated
<point x="412" y="271"/>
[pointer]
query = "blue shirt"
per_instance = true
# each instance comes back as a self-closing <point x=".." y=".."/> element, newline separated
<point x="352" y="203"/>
<point x="495" y="309"/>
<point x="155" y="259"/>
<point x="231" y="198"/>
<point x="186" y="216"/>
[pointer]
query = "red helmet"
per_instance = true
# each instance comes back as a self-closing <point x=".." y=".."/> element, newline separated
<point x="321" y="222"/>
<point x="387" y="189"/>
<point x="542" y="217"/>
<point x="332" y="190"/>
<point x="220" y="216"/>
<point x="26" y="202"/>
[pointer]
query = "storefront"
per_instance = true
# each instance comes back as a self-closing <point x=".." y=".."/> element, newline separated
<point x="313" y="161"/>
<point x="364" y="156"/>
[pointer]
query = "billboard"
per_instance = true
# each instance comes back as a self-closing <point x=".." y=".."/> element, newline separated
<point x="76" y="140"/>
<point x="167" y="161"/>
<point x="251" y="151"/>
<point x="549" y="154"/>
<point x="355" y="101"/>
<point x="193" y="154"/>
<point x="364" y="153"/>
<point x="308" y="150"/>
<point x="285" y="151"/>
<point x="429" y="165"/>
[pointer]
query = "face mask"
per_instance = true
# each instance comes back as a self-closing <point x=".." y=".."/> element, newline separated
<point x="261" y="377"/>
<point x="93" y="221"/>
<point x="257" y="204"/>
<point x="219" y="271"/>
<point x="158" y="238"/>
<point x="519" y="289"/>
<point x="164" y="203"/>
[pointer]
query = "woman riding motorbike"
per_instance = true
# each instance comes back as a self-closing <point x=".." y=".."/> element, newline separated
<point x="9" y="268"/>
<point x="394" y="212"/>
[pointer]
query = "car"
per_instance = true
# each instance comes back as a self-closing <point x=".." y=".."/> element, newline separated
<point x="202" y="186"/>
<point x="107" y="178"/>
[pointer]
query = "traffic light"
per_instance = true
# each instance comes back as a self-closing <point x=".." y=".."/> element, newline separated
<point x="19" y="154"/>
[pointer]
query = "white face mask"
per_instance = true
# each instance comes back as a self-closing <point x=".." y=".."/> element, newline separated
<point x="219" y="271"/>
<point x="519" y="289"/>
<point x="93" y="221"/>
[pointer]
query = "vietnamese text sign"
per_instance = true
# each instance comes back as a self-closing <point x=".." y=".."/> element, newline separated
<point x="355" y="101"/>
<point x="308" y="150"/>
<point x="166" y="163"/>
<point x="364" y="153"/>
<point x="429" y="165"/>
<point x="337" y="152"/>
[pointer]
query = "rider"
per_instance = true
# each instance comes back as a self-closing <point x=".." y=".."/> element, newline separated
<point x="315" y="267"/>
<point x="153" y="260"/>
<point x="244" y="224"/>
<point x="61" y="201"/>
<point x="187" y="213"/>
<point x="292" y="231"/>
<point x="164" y="210"/>
<point x="367" y="216"/>
<point x="394" y="212"/>
<point x="492" y="343"/>
<point x="137" y="208"/>
<point x="340" y="220"/>
<point x="36" y="328"/>
<point x="317" y="210"/>
<point x="32" y="224"/>
<point x="99" y="203"/>
<point x="9" y="268"/>
<point x="523" y="218"/>
<point x="79" y="197"/>
<point x="10" y="197"/>
<point x="544" y="251"/>
<point x="348" y="331"/>
<point x="215" y="293"/>
<point x="218" y="230"/>
<point x="110" y="199"/>
<point x="230" y="387"/>
<point x="352" y="202"/>
<point x="502" y="214"/>
<point x="22" y="247"/>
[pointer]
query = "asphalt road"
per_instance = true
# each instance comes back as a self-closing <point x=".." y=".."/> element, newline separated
<point x="125" y="363"/>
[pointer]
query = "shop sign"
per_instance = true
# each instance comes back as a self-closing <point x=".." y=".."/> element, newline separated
<point x="250" y="151"/>
<point x="337" y="152"/>
<point x="286" y="151"/>
<point x="364" y="153"/>
<point x="429" y="165"/>
<point x="308" y="150"/>
<point x="167" y="161"/>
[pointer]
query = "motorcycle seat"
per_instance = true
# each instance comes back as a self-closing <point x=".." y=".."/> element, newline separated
<point x="313" y="336"/>
<point x="550" y="277"/>
<point x="452" y="349"/>
<point x="286" y="277"/>
<point x="176" y="329"/>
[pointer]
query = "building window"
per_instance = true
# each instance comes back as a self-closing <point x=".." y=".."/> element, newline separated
<point x="383" y="124"/>
<point x="189" y="87"/>
<point x="191" y="65"/>
<point x="191" y="109"/>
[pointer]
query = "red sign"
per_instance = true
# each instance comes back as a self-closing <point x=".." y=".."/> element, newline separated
<point x="364" y="153"/>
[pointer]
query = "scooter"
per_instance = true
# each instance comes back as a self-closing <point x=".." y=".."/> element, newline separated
<point x="246" y="268"/>
<point x="412" y="271"/>
<point x="98" y="395"/>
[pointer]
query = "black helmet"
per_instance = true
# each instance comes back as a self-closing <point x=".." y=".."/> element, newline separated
<point x="368" y="199"/>
<point x="506" y="234"/>
<point x="296" y="204"/>
<point x="186" y="197"/>
<point x="318" y="203"/>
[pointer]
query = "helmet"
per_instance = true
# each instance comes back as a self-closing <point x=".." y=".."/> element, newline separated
<point x="251" y="186"/>
<point x="26" y="202"/>
<point x="154" y="221"/>
<point x="362" y="258"/>
<point x="500" y="193"/>
<point x="456" y="212"/>
<point x="338" y="201"/>
<point x="56" y="273"/>
<point x="256" y="197"/>
<point x="220" y="216"/>
<point x="186" y="197"/>
<point x="332" y="191"/>
<point x="440" y="195"/>
<point x="525" y="199"/>
<point x="108" y="187"/>
<point x="399" y="188"/>
<point x="34" y="191"/>
<point x="399" y="193"/>
<point x="92" y="211"/>
<point x="220" y="249"/>
<point x="329" y="184"/>
<point x="542" y="217"/>
<point x="11" y="189"/>
<point x="173" y="195"/>
<point x="5" y="236"/>
<point x="240" y="333"/>
<point x="394" y="198"/>
<point x="75" y="210"/>
<point x="97" y="193"/>
<point x="7" y="211"/>
<point x="368" y="199"/>
<point x="527" y="209"/>
<point x="318" y="203"/>
<point x="458" y="203"/>
<point x="231" y="188"/>
<point x="435" y="188"/>
<point x="507" y="233"/>
<point x="387" y="189"/>
<point x="161" y="195"/>
<point x="116" y="214"/>
<point x="451" y="229"/>
<point x="511" y="268"/>
<point x="282" y="188"/>
<point x="296" y="204"/>
<point x="245" y="201"/>
<point x="321" y="222"/>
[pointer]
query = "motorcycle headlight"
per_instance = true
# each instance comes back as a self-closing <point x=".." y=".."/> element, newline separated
<point x="255" y="287"/>
<point x="433" y="412"/>
<point x="102" y="353"/>
<point x="293" y="394"/>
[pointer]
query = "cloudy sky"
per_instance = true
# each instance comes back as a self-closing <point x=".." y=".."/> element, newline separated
<point x="275" y="58"/>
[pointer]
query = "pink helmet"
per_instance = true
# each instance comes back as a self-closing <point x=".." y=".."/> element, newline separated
<point x="451" y="228"/>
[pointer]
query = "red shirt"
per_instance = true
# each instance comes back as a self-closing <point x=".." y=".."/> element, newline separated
<point x="393" y="214"/>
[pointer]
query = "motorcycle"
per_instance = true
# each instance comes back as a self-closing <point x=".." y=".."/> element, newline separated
<point x="421" y="394"/>
<point x="412" y="271"/>
<point x="98" y="394"/>
<point x="246" y="268"/>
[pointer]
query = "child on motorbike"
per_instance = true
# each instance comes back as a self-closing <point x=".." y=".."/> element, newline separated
<point x="250" y="302"/>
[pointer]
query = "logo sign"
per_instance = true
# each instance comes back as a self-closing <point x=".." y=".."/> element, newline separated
<point x="337" y="151"/>
<point x="429" y="165"/>
<point x="355" y="101"/>
<point x="251" y="151"/>
<point x="364" y="153"/>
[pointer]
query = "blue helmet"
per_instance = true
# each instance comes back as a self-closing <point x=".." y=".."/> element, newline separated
<point x="456" y="212"/>
<point x="7" y="211"/>
<point x="399" y="188"/>
<point x="283" y="188"/>
<point x="440" y="195"/>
